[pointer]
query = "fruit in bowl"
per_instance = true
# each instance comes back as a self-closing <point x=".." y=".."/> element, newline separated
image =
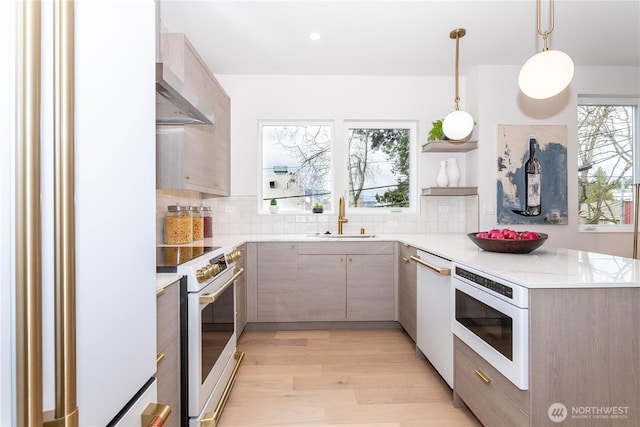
<point x="508" y="241"/>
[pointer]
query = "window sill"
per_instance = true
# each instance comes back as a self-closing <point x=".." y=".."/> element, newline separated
<point x="627" y="228"/>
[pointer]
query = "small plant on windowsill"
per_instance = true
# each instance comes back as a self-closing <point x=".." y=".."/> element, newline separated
<point x="273" y="206"/>
<point x="317" y="208"/>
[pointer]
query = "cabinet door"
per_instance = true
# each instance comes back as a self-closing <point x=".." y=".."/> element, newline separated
<point x="370" y="290"/>
<point x="198" y="155"/>
<point x="322" y="288"/>
<point x="277" y="282"/>
<point x="168" y="345"/>
<point x="407" y="273"/>
<point x="241" y="294"/>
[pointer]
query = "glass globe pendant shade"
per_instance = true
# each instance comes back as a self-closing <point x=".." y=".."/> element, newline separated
<point x="546" y="74"/>
<point x="457" y="125"/>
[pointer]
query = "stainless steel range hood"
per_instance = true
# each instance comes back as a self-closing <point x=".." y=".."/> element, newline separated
<point x="177" y="104"/>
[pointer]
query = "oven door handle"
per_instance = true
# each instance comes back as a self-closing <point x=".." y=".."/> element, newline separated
<point x="211" y="298"/>
<point x="440" y="270"/>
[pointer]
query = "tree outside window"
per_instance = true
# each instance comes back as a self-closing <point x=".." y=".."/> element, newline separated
<point x="606" y="134"/>
<point x="296" y="165"/>
<point x="379" y="167"/>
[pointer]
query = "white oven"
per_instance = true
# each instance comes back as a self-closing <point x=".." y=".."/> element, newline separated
<point x="492" y="317"/>
<point x="208" y="356"/>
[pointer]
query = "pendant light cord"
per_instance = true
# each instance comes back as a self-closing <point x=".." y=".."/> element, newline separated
<point x="545" y="34"/>
<point x="456" y="34"/>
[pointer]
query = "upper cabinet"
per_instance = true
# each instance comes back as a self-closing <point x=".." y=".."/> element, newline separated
<point x="193" y="156"/>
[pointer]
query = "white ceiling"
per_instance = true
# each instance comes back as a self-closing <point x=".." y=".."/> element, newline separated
<point x="396" y="37"/>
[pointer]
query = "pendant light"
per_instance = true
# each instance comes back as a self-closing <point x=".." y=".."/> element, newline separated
<point x="458" y="124"/>
<point x="549" y="72"/>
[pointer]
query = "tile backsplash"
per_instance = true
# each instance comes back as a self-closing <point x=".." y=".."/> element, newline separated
<point x="239" y="215"/>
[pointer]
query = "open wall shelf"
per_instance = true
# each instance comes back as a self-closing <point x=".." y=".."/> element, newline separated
<point x="450" y="191"/>
<point x="449" y="146"/>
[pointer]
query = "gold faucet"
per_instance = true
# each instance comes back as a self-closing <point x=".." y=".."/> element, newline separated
<point x="341" y="218"/>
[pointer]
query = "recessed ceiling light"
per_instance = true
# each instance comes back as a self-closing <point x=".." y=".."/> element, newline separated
<point x="314" y="36"/>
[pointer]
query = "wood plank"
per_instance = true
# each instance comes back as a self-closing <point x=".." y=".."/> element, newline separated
<point x="366" y="378"/>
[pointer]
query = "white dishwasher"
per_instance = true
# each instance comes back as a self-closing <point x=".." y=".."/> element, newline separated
<point x="434" y="336"/>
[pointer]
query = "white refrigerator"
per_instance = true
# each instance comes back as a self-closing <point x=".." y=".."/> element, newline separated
<point x="113" y="204"/>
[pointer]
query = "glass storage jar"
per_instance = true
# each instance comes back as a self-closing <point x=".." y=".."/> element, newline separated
<point x="207" y="221"/>
<point x="196" y="219"/>
<point x="178" y="228"/>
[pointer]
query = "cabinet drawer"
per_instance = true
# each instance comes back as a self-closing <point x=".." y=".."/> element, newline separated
<point x="168" y="376"/>
<point x="336" y="248"/>
<point x="498" y="402"/>
<point x="168" y="315"/>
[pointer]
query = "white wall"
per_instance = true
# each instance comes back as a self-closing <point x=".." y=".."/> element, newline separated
<point x="489" y="93"/>
<point x="334" y="98"/>
<point x="500" y="102"/>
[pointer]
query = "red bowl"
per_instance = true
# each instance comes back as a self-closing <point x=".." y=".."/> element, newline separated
<point x="508" y="246"/>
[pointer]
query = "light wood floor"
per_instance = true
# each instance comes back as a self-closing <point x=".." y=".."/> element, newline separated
<point x="338" y="378"/>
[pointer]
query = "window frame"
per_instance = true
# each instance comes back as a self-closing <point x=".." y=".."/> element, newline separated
<point x="260" y="185"/>
<point x="412" y="125"/>
<point x="632" y="101"/>
<point x="340" y="163"/>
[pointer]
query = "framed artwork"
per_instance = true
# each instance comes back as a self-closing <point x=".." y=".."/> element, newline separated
<point x="532" y="174"/>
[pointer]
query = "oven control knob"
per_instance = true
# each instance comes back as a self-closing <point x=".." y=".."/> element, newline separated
<point x="201" y="275"/>
<point x="215" y="268"/>
<point x="209" y="272"/>
<point x="236" y="255"/>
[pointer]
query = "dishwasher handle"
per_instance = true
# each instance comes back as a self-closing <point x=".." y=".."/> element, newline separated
<point x="440" y="270"/>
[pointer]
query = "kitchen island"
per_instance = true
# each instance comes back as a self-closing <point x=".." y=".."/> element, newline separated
<point x="583" y="330"/>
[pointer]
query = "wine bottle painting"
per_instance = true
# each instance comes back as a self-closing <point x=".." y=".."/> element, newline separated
<point x="532" y="174"/>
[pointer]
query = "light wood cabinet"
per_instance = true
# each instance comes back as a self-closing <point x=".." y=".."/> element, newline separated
<point x="360" y="276"/>
<point x="494" y="400"/>
<point x="194" y="157"/>
<point x="370" y="287"/>
<point x="277" y="284"/>
<point x="168" y="350"/>
<point x="407" y="289"/>
<point x="322" y="287"/>
<point x="241" y="293"/>
<point x="325" y="281"/>
<point x="582" y="354"/>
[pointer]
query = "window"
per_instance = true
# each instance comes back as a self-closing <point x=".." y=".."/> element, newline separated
<point x="298" y="161"/>
<point x="379" y="165"/>
<point x="296" y="165"/>
<point x="607" y="143"/>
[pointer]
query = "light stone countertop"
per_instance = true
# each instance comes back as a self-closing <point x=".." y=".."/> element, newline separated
<point x="165" y="279"/>
<point x="546" y="267"/>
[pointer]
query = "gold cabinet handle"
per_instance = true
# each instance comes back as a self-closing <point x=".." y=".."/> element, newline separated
<point x="405" y="259"/>
<point x="483" y="376"/>
<point x="159" y="358"/>
<point x="159" y="292"/>
<point x="155" y="415"/>
<point x="187" y="177"/>
<point x="440" y="270"/>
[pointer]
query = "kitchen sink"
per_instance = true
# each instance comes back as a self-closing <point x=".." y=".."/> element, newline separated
<point x="342" y="236"/>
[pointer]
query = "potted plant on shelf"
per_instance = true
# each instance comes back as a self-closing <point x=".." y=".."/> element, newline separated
<point x="436" y="133"/>
<point x="317" y="208"/>
<point x="273" y="206"/>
